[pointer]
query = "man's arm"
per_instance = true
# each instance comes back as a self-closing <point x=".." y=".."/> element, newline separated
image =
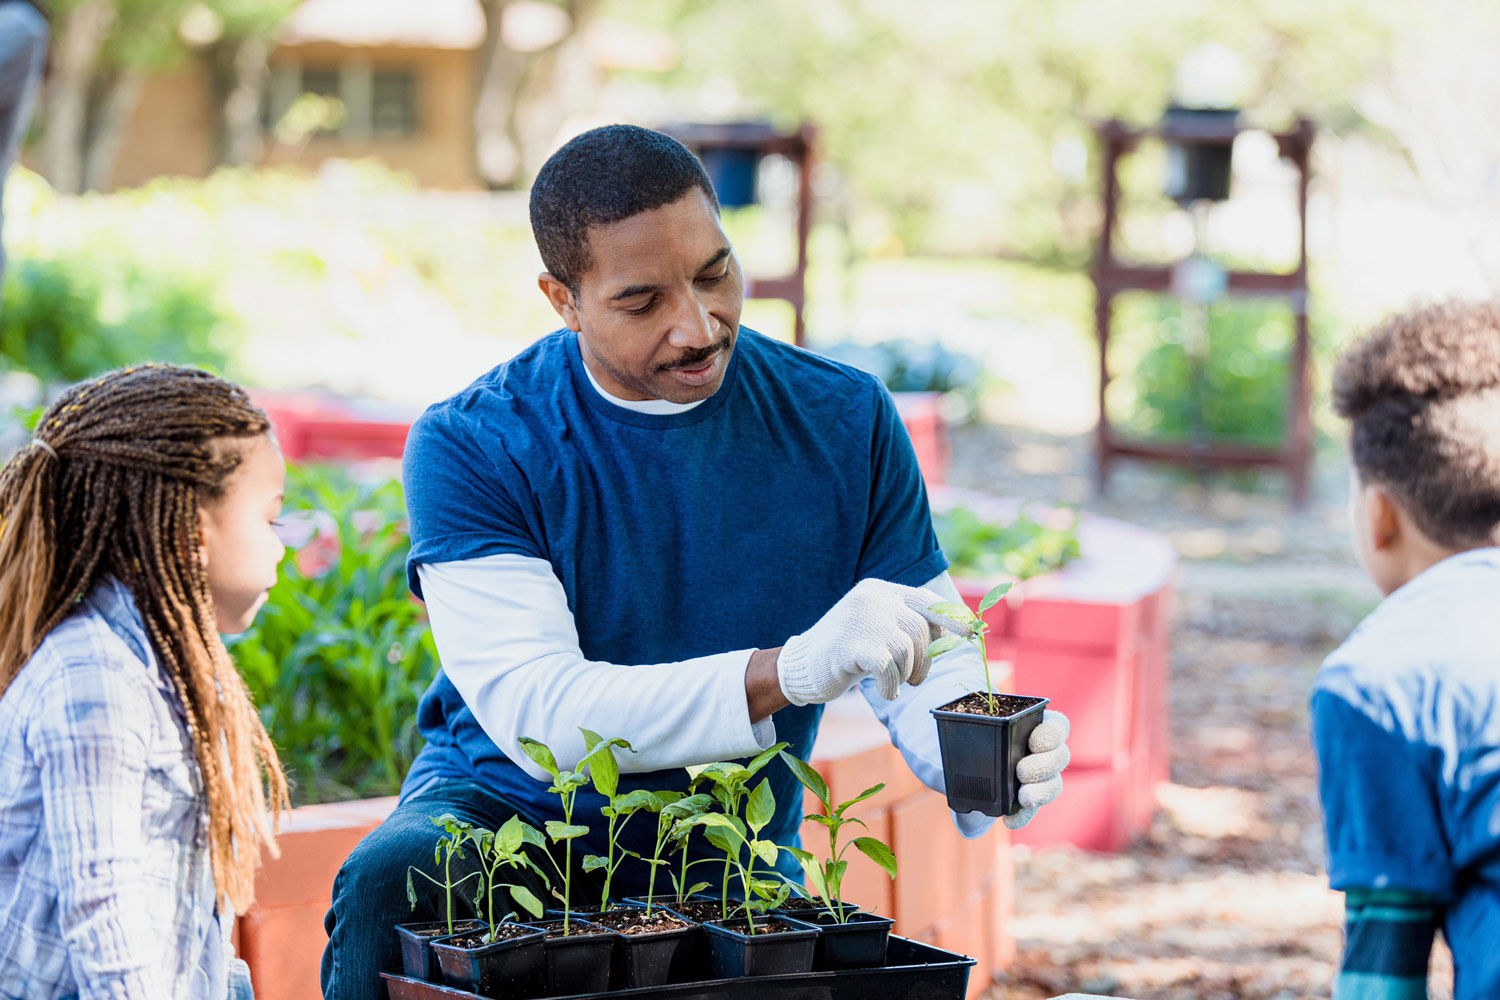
<point x="1388" y="936"/>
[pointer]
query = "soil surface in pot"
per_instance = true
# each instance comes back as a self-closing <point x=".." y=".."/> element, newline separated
<point x="504" y="932"/>
<point x="978" y="704"/>
<point x="632" y="921"/>
<point x="576" y="928"/>
<point x="696" y="909"/>
<point x="442" y="929"/>
<point x="763" y="925"/>
<point x="801" y="904"/>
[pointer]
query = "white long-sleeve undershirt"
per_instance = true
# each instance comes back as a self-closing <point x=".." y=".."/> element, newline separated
<point x="509" y="644"/>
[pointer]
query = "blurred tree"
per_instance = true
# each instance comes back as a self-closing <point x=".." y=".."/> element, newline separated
<point x="237" y="60"/>
<point x="512" y="62"/>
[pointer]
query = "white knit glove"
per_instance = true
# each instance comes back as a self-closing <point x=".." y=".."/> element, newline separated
<point x="879" y="630"/>
<point x="1041" y="770"/>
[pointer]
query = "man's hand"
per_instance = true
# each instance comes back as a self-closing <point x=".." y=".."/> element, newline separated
<point x="878" y="630"/>
<point x="1041" y="771"/>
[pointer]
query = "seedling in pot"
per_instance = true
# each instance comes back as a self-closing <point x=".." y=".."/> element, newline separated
<point x="826" y="879"/>
<point x="728" y="784"/>
<point x="742" y="846"/>
<point x="604" y="772"/>
<point x="565" y="785"/>
<point x="451" y="845"/>
<point x="504" y="848"/>
<point x="961" y="613"/>
<point x="671" y="808"/>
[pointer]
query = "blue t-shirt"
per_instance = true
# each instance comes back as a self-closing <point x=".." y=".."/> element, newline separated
<point x="1406" y="720"/>
<point x="733" y="525"/>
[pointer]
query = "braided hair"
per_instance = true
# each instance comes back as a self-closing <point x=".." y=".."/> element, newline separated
<point x="112" y="485"/>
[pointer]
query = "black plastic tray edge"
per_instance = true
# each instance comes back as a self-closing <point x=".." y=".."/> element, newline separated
<point x="957" y="961"/>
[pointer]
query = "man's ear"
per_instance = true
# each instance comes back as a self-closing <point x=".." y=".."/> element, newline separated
<point x="1384" y="518"/>
<point x="561" y="297"/>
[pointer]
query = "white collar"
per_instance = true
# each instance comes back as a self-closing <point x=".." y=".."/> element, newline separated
<point x="659" y="406"/>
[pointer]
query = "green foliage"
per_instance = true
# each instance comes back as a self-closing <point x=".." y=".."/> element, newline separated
<point x="961" y="614"/>
<point x="73" y="316"/>
<point x="672" y="808"/>
<point x="456" y="833"/>
<point x="826" y="878"/>
<point x="340" y="655"/>
<point x="1234" y="391"/>
<point x="1022" y="548"/>
<point x="505" y="849"/>
<point x="728" y="784"/>
<point x="604" y="772"/>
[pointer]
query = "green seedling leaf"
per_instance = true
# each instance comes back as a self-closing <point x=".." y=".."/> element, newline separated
<point x="696" y="888"/>
<point x="666" y="798"/>
<point x="818" y="818"/>
<point x="574" y="779"/>
<point x="527" y="900"/>
<point x="411" y="890"/>
<point x="994" y="597"/>
<point x="764" y="757"/>
<point x="603" y="770"/>
<point x="874" y="790"/>
<point x="951" y="609"/>
<point x="539" y="753"/>
<point x="878" y="853"/>
<point x="806" y="857"/>
<point x="593" y="862"/>
<point x="810" y="778"/>
<point x="690" y="806"/>
<point x="510" y="836"/>
<point x="636" y="800"/>
<point x="765" y="850"/>
<point x="943" y="644"/>
<point x="564" y="831"/>
<point x="531" y="835"/>
<point x="591" y="739"/>
<point x="761" y="807"/>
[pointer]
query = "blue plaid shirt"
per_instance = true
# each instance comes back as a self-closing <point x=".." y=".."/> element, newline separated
<point x="106" y="888"/>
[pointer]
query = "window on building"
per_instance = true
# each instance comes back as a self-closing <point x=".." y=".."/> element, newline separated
<point x="376" y="102"/>
<point x="393" y="103"/>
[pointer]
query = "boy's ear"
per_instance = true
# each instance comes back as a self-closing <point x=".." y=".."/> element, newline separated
<point x="1384" y="518"/>
<point x="561" y="298"/>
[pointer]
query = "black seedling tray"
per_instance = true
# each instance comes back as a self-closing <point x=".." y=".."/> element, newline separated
<point x="913" y="971"/>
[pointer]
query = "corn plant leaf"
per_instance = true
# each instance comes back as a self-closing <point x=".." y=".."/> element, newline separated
<point x="761" y="808"/>
<point x="810" y="778"/>
<point x="943" y="644"/>
<point x="593" y="862"/>
<point x="564" y="831"/>
<point x="878" y="853"/>
<point x="539" y="753"/>
<point x="994" y="597"/>
<point x="952" y="609"/>
<point x="526" y="899"/>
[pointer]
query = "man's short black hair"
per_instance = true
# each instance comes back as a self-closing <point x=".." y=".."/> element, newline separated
<point x="602" y="176"/>
<point x="1422" y="391"/>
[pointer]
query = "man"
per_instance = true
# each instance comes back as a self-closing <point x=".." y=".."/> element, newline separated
<point x="658" y="526"/>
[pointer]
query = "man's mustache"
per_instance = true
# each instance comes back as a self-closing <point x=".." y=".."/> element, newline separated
<point x="695" y="359"/>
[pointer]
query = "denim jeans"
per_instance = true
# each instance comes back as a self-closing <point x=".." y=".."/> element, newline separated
<point x="369" y="892"/>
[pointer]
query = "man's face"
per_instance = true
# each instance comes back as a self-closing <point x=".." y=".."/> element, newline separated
<point x="658" y="312"/>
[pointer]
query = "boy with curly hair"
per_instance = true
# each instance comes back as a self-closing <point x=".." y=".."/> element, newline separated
<point x="1406" y="713"/>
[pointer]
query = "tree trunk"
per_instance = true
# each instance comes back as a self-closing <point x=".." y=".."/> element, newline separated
<point x="239" y="70"/>
<point x="117" y="95"/>
<point x="79" y="33"/>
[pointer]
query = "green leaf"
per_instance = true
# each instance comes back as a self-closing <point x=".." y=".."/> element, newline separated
<point x="591" y="739"/>
<point x="696" y="888"/>
<point x="805" y="857"/>
<point x="878" y="853"/>
<point x="761" y="808"/>
<point x="411" y="890"/>
<point x="633" y="801"/>
<point x="539" y="753"/>
<point x="690" y="806"/>
<point x="943" y="644"/>
<point x="593" y="862"/>
<point x="873" y="790"/>
<point x="994" y="597"/>
<point x="603" y="770"/>
<point x="531" y="835"/>
<point x="510" y="836"/>
<point x="818" y="818"/>
<point x="764" y="757"/>
<point x="810" y="778"/>
<point x="815" y="879"/>
<point x="563" y="831"/>
<point x="765" y="850"/>
<point x="951" y="609"/>
<point x="528" y="900"/>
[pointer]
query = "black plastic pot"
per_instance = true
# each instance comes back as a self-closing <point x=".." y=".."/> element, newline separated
<point x="980" y="753"/>
<point x="578" y="963"/>
<point x="734" y="953"/>
<point x="510" y="967"/>
<point x="670" y="956"/>
<point x="913" y="970"/>
<point x="416" y="956"/>
<point x="857" y="943"/>
<point x="697" y="908"/>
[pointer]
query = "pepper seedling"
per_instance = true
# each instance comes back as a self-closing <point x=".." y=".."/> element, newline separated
<point x="565" y="785"/>
<point x="449" y="846"/>
<point x="503" y="848"/>
<point x="827" y="877"/>
<point x="734" y="837"/>
<point x="961" y="613"/>
<point x="671" y="807"/>
<point x="604" y="772"/>
<point x="727" y="784"/>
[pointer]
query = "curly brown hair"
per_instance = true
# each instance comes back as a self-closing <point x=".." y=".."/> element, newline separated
<point x="1422" y="392"/>
<point x="113" y="486"/>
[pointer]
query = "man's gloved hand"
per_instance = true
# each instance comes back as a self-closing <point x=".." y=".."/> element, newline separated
<point x="878" y="630"/>
<point x="1041" y="771"/>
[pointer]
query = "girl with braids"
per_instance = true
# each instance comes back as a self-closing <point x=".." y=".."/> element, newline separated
<point x="137" y="785"/>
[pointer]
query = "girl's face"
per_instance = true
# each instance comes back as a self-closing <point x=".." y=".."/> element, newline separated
<point x="240" y="547"/>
